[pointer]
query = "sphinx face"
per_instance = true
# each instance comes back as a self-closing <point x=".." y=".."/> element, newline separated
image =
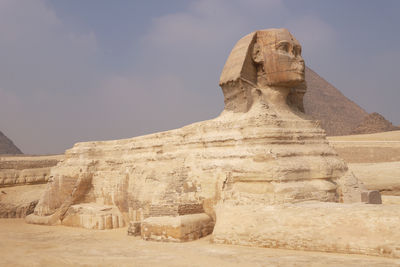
<point x="279" y="55"/>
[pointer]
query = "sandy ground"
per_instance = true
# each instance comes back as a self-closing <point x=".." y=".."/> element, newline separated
<point x="21" y="194"/>
<point x="34" y="245"/>
<point x="391" y="137"/>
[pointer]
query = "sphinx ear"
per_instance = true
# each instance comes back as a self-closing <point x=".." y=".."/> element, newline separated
<point x="257" y="54"/>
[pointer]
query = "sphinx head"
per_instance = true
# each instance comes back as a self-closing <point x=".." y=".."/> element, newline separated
<point x="263" y="59"/>
<point x="277" y="56"/>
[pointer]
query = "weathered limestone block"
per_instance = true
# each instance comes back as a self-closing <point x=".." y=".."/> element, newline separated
<point x="319" y="226"/>
<point x="67" y="191"/>
<point x="19" y="201"/>
<point x="350" y="188"/>
<point x="92" y="216"/>
<point x="27" y="176"/>
<point x="384" y="176"/>
<point x="23" y="162"/>
<point x="135" y="228"/>
<point x="371" y="197"/>
<point x="20" y="170"/>
<point x="178" y="228"/>
<point x="22" y="180"/>
<point x="11" y="210"/>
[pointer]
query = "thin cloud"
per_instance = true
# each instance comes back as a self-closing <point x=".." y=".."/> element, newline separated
<point x="316" y="36"/>
<point x="44" y="67"/>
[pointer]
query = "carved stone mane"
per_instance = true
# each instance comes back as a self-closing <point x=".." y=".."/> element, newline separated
<point x="239" y="76"/>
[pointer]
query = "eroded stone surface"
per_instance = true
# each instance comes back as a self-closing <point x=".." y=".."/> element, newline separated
<point x="22" y="180"/>
<point x="135" y="228"/>
<point x="177" y="228"/>
<point x="20" y="170"/>
<point x="371" y="197"/>
<point x="330" y="227"/>
<point x="384" y="176"/>
<point x="93" y="216"/>
<point x="19" y="201"/>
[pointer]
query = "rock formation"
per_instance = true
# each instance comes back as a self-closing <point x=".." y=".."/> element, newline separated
<point x="338" y="114"/>
<point x="7" y="146"/>
<point x="22" y="181"/>
<point x="261" y="154"/>
<point x="374" y="123"/>
<point x="23" y="170"/>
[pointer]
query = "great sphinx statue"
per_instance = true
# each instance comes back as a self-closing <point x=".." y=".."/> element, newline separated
<point x="263" y="83"/>
<point x="261" y="151"/>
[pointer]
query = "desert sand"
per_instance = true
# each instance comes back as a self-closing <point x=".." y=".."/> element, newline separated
<point x="36" y="245"/>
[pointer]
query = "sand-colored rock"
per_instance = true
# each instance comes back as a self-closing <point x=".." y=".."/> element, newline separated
<point x="382" y="176"/>
<point x="330" y="227"/>
<point x="20" y="170"/>
<point x="177" y="228"/>
<point x="19" y="201"/>
<point x="22" y="181"/>
<point x="93" y="217"/>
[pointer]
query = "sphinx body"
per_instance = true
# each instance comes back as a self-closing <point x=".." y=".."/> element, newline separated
<point x="262" y="149"/>
<point x="259" y="147"/>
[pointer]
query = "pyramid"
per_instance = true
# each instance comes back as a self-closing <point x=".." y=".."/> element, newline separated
<point x="374" y="123"/>
<point x="338" y="114"/>
<point x="7" y="146"/>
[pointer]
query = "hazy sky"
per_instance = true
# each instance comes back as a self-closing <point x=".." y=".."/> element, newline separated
<point x="74" y="70"/>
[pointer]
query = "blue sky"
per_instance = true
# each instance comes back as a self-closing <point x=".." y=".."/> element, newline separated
<point x="78" y="70"/>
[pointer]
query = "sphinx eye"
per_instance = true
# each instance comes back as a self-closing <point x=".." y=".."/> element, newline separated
<point x="283" y="46"/>
<point x="297" y="50"/>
